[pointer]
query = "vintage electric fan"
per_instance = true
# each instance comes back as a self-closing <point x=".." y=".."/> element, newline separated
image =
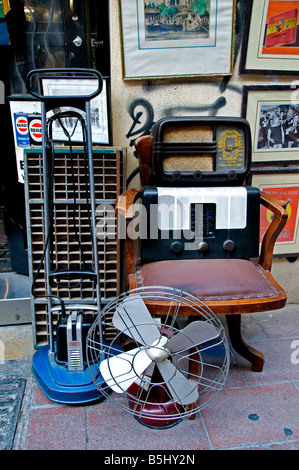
<point x="167" y="366"/>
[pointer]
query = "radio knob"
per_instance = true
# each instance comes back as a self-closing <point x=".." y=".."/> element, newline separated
<point x="228" y="245"/>
<point x="176" y="175"/>
<point x="176" y="247"/>
<point x="203" y="246"/>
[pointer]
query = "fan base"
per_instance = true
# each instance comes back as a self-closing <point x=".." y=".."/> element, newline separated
<point x="163" y="424"/>
<point x="157" y="412"/>
<point x="61" y="385"/>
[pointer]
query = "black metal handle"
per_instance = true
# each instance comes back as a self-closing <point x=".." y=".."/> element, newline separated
<point x="64" y="73"/>
<point x="69" y="273"/>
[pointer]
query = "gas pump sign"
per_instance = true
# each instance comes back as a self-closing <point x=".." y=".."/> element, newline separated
<point x="35" y="129"/>
<point x="22" y="131"/>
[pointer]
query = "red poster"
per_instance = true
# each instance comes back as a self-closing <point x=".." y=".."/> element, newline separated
<point x="288" y="233"/>
<point x="282" y="29"/>
<point x="281" y="32"/>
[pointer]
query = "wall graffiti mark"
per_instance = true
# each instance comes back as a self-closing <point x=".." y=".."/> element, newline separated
<point x="142" y="114"/>
<point x="211" y="109"/>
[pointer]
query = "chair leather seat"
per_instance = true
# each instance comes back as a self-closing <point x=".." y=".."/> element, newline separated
<point x="210" y="280"/>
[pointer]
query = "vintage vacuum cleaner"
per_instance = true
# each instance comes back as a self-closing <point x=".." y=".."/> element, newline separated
<point x="60" y="367"/>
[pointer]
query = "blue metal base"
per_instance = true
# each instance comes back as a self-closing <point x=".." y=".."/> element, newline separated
<point x="61" y="385"/>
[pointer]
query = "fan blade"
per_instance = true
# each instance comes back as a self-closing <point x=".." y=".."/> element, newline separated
<point x="195" y="333"/>
<point x="119" y="372"/>
<point x="183" y="390"/>
<point x="133" y="318"/>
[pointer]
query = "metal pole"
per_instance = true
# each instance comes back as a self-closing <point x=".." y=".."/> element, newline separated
<point x="47" y="224"/>
<point x="93" y="208"/>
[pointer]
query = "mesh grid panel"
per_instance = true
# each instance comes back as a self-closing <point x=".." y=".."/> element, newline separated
<point x="71" y="245"/>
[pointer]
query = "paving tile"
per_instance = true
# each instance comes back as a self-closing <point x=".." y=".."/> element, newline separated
<point x="285" y="446"/>
<point x="289" y="445"/>
<point x="57" y="428"/>
<point x="277" y="324"/>
<point x="251" y="328"/>
<point x="251" y="415"/>
<point x="109" y="427"/>
<point x="41" y="398"/>
<point x="235" y="377"/>
<point x="278" y="365"/>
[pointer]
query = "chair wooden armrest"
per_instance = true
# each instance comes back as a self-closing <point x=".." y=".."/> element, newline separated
<point x="124" y="204"/>
<point x="143" y="146"/>
<point x="125" y="214"/>
<point x="280" y="217"/>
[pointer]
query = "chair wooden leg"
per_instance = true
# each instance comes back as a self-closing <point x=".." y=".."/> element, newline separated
<point x="255" y="357"/>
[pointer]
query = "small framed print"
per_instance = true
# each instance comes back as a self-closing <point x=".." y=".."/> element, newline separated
<point x="99" y="107"/>
<point x="273" y="115"/>
<point x="283" y="187"/>
<point x="176" y="38"/>
<point x="271" y="37"/>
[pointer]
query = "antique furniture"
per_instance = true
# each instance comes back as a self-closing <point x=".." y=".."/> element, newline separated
<point x="199" y="166"/>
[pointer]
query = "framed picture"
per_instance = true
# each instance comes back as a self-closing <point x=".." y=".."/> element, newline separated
<point x="271" y="37"/>
<point x="282" y="187"/>
<point x="273" y="115"/>
<point x="167" y="38"/>
<point x="99" y="108"/>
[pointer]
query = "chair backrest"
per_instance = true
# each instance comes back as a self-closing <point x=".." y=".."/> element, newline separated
<point x="195" y="203"/>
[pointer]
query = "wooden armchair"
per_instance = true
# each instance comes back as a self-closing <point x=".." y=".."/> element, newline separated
<point x="229" y="286"/>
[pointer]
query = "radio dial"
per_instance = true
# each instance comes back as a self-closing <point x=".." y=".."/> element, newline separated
<point x="203" y="247"/>
<point x="176" y="247"/>
<point x="228" y="245"/>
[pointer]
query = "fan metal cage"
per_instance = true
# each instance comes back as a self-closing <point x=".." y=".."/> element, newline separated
<point x="149" y="395"/>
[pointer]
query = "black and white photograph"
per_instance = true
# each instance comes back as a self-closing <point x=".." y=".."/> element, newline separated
<point x="278" y="126"/>
<point x="273" y="114"/>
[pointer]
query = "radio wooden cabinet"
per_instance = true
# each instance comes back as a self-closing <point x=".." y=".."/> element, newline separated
<point x="69" y="215"/>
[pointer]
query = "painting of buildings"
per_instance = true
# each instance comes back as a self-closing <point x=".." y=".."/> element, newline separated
<point x="176" y="19"/>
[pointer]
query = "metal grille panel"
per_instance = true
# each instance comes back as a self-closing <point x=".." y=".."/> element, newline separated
<point x="71" y="227"/>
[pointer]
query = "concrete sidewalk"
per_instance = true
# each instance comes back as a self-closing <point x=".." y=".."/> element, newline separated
<point x="253" y="411"/>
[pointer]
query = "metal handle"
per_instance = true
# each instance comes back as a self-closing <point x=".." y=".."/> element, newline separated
<point x="72" y="8"/>
<point x="73" y="272"/>
<point x="76" y="307"/>
<point x="64" y="73"/>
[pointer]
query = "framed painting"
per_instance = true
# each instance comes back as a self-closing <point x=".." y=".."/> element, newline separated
<point x="273" y="114"/>
<point x="271" y="37"/>
<point x="170" y="38"/>
<point x="283" y="187"/>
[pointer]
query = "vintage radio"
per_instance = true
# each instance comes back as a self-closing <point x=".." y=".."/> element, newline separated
<point x="200" y="222"/>
<point x="196" y="204"/>
<point x="200" y="151"/>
